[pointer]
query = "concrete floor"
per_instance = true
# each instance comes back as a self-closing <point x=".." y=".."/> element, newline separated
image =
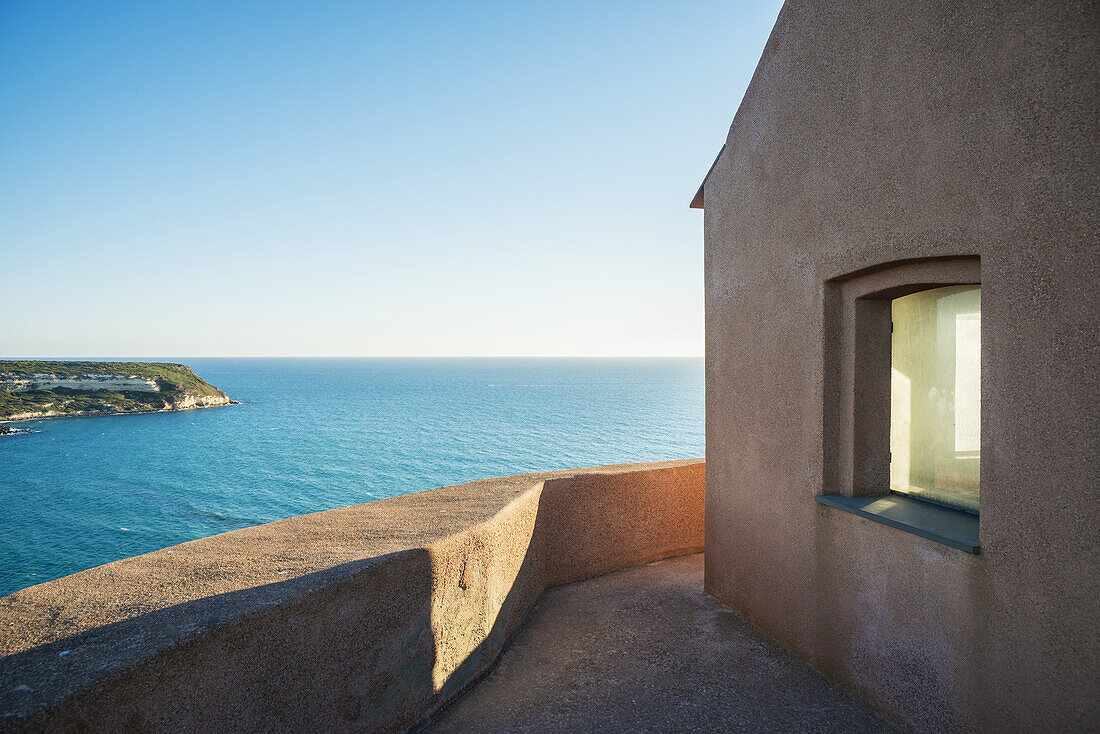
<point x="645" y="650"/>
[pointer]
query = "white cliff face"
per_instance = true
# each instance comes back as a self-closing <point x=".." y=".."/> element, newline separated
<point x="113" y="383"/>
<point x="53" y="410"/>
<point x="200" y="401"/>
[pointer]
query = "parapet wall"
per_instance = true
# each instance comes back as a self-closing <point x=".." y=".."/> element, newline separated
<point x="366" y="618"/>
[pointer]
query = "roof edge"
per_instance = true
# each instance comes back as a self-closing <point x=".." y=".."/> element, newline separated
<point x="697" y="202"/>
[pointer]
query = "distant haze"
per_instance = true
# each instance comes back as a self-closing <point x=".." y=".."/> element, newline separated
<point x="361" y="178"/>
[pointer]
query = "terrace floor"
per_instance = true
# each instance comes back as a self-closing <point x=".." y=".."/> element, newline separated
<point x="645" y="650"/>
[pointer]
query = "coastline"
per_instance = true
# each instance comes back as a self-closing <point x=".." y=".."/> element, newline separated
<point x="43" y="389"/>
<point x="24" y="417"/>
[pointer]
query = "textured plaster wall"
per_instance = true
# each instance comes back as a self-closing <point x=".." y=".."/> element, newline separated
<point x="875" y="132"/>
<point x="365" y="618"/>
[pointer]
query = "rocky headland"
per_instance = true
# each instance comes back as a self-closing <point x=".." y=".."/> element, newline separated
<point x="40" y="389"/>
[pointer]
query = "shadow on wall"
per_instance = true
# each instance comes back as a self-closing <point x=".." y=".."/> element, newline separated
<point x="371" y="645"/>
<point x="580" y="527"/>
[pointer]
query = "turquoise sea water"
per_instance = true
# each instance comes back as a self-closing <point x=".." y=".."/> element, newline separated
<point x="313" y="434"/>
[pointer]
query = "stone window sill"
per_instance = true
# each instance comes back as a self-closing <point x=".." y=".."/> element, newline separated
<point x="945" y="525"/>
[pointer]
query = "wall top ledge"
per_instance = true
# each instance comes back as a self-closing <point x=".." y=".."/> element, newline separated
<point x="64" y="636"/>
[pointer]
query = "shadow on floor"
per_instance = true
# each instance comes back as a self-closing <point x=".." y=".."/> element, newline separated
<point x="646" y="650"/>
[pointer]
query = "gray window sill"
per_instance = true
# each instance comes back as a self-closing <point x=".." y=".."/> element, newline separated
<point x="945" y="525"/>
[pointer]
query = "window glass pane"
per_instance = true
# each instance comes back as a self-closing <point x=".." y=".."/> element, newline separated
<point x="935" y="402"/>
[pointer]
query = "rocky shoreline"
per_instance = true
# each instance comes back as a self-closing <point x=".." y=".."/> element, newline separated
<point x="9" y="431"/>
<point x="37" y="416"/>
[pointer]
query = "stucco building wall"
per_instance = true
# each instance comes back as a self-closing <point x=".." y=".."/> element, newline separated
<point x="878" y="132"/>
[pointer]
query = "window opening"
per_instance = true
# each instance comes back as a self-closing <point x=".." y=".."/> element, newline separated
<point x="935" y="395"/>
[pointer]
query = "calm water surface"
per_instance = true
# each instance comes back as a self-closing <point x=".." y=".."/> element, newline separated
<point x="316" y="434"/>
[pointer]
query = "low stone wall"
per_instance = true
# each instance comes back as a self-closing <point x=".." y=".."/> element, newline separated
<point x="366" y="618"/>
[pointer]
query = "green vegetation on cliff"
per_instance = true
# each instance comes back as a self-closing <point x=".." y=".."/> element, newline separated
<point x="29" y="388"/>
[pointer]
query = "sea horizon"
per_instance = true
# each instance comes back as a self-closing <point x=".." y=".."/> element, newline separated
<point x="315" y="433"/>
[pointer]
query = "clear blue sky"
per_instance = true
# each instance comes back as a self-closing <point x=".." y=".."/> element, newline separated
<point x="361" y="178"/>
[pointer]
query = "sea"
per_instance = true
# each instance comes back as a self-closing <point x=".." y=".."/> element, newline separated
<point x="314" y="434"/>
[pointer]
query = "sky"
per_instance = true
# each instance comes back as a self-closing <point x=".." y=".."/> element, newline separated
<point x="361" y="178"/>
